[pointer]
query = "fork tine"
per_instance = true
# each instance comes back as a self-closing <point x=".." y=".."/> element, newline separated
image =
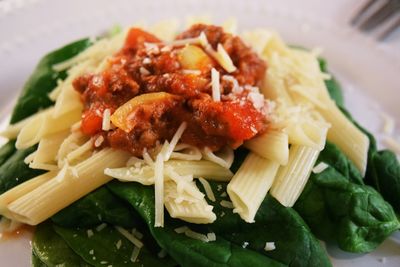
<point x="380" y="15"/>
<point x="390" y="30"/>
<point x="362" y="11"/>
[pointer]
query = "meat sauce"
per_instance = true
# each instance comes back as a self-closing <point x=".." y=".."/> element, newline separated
<point x="147" y="65"/>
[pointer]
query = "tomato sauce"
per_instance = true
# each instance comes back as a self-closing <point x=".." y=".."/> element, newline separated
<point x="147" y="65"/>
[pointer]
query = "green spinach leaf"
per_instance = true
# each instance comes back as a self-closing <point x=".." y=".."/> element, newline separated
<point x="384" y="174"/>
<point x="43" y="80"/>
<point x="95" y="208"/>
<point x="6" y="151"/>
<point x="51" y="250"/>
<point x="353" y="215"/>
<point x="36" y="262"/>
<point x="14" y="171"/>
<point x="296" y="246"/>
<point x="109" y="247"/>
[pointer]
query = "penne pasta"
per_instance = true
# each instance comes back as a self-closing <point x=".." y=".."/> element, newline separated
<point x="45" y="124"/>
<point x="21" y="190"/>
<point x="292" y="178"/>
<point x="273" y="145"/>
<point x="250" y="185"/>
<point x="351" y="140"/>
<point x="57" y="193"/>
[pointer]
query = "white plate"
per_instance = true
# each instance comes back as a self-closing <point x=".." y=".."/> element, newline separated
<point x="367" y="70"/>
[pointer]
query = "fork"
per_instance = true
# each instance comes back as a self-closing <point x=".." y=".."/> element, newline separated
<point x="377" y="12"/>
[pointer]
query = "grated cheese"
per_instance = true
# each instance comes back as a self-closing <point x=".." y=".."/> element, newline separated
<point x="136" y="233"/>
<point x="174" y="141"/>
<point x="106" y="120"/>
<point x="226" y="204"/>
<point x="211" y="237"/>
<point x="208" y="189"/>
<point x="146" y="61"/>
<point x="320" y="167"/>
<point x="216" y="93"/>
<point x="224" y="59"/>
<point x="159" y="191"/>
<point x="118" y="244"/>
<point x="90" y="233"/>
<point x="269" y="246"/>
<point x="99" y="140"/>
<point x="129" y="236"/>
<point x="195" y="235"/>
<point x="245" y="244"/>
<point x="257" y="99"/>
<point x="162" y="254"/>
<point x="91" y="252"/>
<point x="144" y="71"/>
<point x="135" y="254"/>
<point x="192" y="72"/>
<point x="181" y="230"/>
<point x="101" y="227"/>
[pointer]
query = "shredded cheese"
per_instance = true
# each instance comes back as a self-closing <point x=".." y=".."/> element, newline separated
<point x="135" y="254"/>
<point x="159" y="191"/>
<point x="208" y="189"/>
<point x="106" y="120"/>
<point x="216" y="93"/>
<point x="136" y="233"/>
<point x="320" y="167"/>
<point x="129" y="236"/>
<point x="174" y="141"/>
<point x="89" y="233"/>
<point x="99" y="140"/>
<point x="162" y="254"/>
<point x="195" y="235"/>
<point x="101" y="227"/>
<point x="181" y="230"/>
<point x="224" y="59"/>
<point x="118" y="244"/>
<point x="211" y="237"/>
<point x="226" y="204"/>
<point x="269" y="246"/>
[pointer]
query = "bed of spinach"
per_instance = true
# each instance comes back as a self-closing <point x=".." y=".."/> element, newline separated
<point x="336" y="204"/>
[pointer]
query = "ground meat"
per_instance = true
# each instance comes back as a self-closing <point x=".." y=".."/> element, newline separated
<point x="139" y="68"/>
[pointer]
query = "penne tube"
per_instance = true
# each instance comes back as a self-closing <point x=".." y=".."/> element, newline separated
<point x="43" y="125"/>
<point x="21" y="190"/>
<point x="59" y="192"/>
<point x="351" y="140"/>
<point x="250" y="185"/>
<point x="273" y="145"/>
<point x="292" y="178"/>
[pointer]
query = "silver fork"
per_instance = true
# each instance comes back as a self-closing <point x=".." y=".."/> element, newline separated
<point x="377" y="12"/>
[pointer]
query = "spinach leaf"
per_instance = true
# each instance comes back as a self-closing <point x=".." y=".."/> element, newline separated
<point x="95" y="208"/>
<point x="333" y="86"/>
<point x="295" y="244"/>
<point x="384" y="174"/>
<point x="353" y="215"/>
<point x="43" y="80"/>
<point x="334" y="157"/>
<point x="36" y="262"/>
<point x="108" y="247"/>
<point x="14" y="171"/>
<point x="49" y="249"/>
<point x="6" y="151"/>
